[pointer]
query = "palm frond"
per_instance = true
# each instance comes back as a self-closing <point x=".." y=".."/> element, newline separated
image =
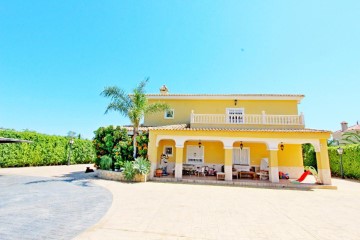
<point x="115" y="93"/>
<point x="141" y="87"/>
<point x="351" y="137"/>
<point x="156" y="107"/>
<point x="119" y="107"/>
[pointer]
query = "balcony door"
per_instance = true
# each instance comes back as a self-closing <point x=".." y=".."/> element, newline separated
<point x="235" y="115"/>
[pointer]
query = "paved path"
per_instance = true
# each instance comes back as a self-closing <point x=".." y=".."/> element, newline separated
<point x="182" y="211"/>
<point x="49" y="208"/>
<point x="177" y="211"/>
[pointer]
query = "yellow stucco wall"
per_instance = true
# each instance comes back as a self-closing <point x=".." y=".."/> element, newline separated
<point x="291" y="156"/>
<point x="160" y="150"/>
<point x="183" y="109"/>
<point x="257" y="152"/>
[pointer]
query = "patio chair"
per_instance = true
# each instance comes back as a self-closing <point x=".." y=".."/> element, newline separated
<point x="200" y="171"/>
<point x="264" y="169"/>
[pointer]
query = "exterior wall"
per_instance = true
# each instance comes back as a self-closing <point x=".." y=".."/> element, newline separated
<point x="291" y="156"/>
<point x="184" y="107"/>
<point x="288" y="161"/>
<point x="213" y="152"/>
<point x="257" y="152"/>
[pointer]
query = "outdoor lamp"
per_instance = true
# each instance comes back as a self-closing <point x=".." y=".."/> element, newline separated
<point x="340" y="152"/>
<point x="241" y="145"/>
<point x="199" y="144"/>
<point x="235" y="102"/>
<point x="282" y="146"/>
<point x="71" y="142"/>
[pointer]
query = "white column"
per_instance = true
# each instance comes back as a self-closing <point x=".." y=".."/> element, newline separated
<point x="179" y="161"/>
<point x="273" y="161"/>
<point x="322" y="160"/>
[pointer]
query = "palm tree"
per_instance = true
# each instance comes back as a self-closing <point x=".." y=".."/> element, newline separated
<point x="351" y="137"/>
<point x="134" y="106"/>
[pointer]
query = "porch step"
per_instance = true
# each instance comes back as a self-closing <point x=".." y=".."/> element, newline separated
<point x="245" y="183"/>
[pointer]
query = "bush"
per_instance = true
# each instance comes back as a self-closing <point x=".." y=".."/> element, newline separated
<point x="43" y="151"/>
<point x="309" y="155"/>
<point x="141" y="166"/>
<point x="350" y="159"/>
<point x="129" y="171"/>
<point x="115" y="142"/>
<point x="105" y="162"/>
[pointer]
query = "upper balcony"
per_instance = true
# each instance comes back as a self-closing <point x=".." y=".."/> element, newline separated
<point x="247" y="121"/>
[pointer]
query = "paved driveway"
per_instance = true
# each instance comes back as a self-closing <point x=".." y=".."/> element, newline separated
<point x="49" y="208"/>
<point x="177" y="211"/>
<point x="172" y="211"/>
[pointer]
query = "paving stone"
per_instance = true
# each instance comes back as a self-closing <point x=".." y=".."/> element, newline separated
<point x="49" y="208"/>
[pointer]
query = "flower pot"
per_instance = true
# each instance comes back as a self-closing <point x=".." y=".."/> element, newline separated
<point x="158" y="172"/>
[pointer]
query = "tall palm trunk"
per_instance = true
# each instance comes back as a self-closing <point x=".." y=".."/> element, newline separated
<point x="134" y="141"/>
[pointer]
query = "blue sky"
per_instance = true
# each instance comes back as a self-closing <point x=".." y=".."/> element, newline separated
<point x="57" y="56"/>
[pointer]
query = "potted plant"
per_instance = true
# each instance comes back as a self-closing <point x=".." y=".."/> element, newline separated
<point x="158" y="172"/>
<point x="142" y="168"/>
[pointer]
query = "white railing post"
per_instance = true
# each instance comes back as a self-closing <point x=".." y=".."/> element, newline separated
<point x="302" y="119"/>
<point x="263" y="117"/>
<point x="192" y="117"/>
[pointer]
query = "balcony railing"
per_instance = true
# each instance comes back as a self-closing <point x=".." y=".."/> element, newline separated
<point x="251" y="119"/>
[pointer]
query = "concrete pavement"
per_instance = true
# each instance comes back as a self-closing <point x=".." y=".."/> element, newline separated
<point x="179" y="211"/>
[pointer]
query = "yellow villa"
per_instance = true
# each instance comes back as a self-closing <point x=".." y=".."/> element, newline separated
<point x="227" y="131"/>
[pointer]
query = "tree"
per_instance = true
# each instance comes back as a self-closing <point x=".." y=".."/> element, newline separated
<point x="134" y="106"/>
<point x="351" y="137"/>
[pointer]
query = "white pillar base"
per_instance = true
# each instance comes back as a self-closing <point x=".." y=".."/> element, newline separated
<point x="178" y="170"/>
<point x="274" y="174"/>
<point x="228" y="173"/>
<point x="152" y="170"/>
<point x="325" y="176"/>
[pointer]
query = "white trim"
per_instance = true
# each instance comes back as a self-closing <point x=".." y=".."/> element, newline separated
<point x="298" y="98"/>
<point x="172" y="151"/>
<point x="173" y="114"/>
<point x="228" y="142"/>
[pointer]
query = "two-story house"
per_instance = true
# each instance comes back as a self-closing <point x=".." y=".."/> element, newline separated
<point x="221" y="130"/>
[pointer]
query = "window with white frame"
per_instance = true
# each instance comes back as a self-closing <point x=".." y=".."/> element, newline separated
<point x="235" y="115"/>
<point x="169" y="114"/>
<point x="168" y="150"/>
<point x="241" y="156"/>
<point x="195" y="154"/>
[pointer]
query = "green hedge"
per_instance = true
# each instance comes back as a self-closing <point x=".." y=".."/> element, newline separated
<point x="350" y="158"/>
<point x="309" y="155"/>
<point x="43" y="151"/>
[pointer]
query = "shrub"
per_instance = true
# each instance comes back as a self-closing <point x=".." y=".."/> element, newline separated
<point x="141" y="165"/>
<point x="350" y="159"/>
<point x="309" y="155"/>
<point x="44" y="150"/>
<point x="114" y="142"/>
<point x="105" y="162"/>
<point x="129" y="171"/>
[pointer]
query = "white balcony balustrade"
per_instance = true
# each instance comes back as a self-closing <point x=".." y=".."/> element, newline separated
<point x="250" y="119"/>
